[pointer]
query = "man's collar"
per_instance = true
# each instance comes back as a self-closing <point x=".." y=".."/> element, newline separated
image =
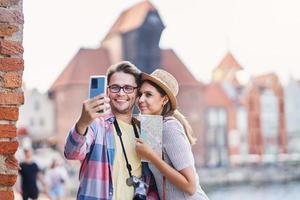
<point x="109" y="117"/>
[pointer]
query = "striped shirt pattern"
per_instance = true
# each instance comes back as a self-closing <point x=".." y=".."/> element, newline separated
<point x="95" y="150"/>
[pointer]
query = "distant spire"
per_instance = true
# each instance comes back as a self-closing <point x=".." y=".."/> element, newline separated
<point x="228" y="42"/>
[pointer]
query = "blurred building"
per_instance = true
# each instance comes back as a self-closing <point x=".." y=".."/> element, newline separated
<point x="135" y="37"/>
<point x="36" y="118"/>
<point x="266" y="117"/>
<point x="225" y="115"/>
<point x="292" y="115"/>
<point x="234" y="123"/>
<point x="244" y="124"/>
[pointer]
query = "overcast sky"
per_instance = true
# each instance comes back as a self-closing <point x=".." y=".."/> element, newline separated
<point x="263" y="35"/>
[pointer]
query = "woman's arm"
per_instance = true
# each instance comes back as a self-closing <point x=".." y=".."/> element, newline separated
<point x="183" y="179"/>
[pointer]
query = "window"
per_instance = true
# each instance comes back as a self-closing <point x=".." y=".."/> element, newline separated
<point x="216" y="136"/>
<point x="269" y="118"/>
<point x="31" y="122"/>
<point x="269" y="113"/>
<point x="42" y="122"/>
<point x="242" y="125"/>
<point x="36" y="106"/>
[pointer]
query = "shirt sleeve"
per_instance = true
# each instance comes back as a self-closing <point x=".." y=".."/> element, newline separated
<point x="77" y="145"/>
<point x="36" y="167"/>
<point x="176" y="145"/>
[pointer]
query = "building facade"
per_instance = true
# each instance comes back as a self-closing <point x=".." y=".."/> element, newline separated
<point x="266" y="117"/>
<point x="36" y="119"/>
<point x="292" y="115"/>
<point x="134" y="37"/>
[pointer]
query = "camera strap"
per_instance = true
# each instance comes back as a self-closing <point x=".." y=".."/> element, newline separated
<point x="119" y="133"/>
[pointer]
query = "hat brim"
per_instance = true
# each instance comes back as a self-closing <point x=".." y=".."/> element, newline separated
<point x="172" y="98"/>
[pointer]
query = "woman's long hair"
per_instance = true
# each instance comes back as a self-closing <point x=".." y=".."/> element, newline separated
<point x="167" y="111"/>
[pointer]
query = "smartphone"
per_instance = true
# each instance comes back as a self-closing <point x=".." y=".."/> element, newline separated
<point x="97" y="85"/>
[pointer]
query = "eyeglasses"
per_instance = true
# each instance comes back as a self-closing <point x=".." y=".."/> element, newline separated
<point x="126" y="88"/>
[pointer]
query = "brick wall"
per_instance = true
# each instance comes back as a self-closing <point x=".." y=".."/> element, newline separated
<point x="11" y="95"/>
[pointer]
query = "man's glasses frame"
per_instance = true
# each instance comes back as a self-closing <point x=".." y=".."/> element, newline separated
<point x="128" y="89"/>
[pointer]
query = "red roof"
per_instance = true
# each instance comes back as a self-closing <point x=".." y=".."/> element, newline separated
<point x="171" y="63"/>
<point x="85" y="63"/>
<point x="265" y="77"/>
<point x="131" y="18"/>
<point x="96" y="61"/>
<point x="226" y="70"/>
<point x="229" y="62"/>
<point x="214" y="95"/>
<point x="266" y="80"/>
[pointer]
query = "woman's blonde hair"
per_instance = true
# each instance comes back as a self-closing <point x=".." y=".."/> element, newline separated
<point x="167" y="111"/>
<point x="183" y="121"/>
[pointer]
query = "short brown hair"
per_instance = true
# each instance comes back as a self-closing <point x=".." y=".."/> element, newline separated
<point x="125" y="67"/>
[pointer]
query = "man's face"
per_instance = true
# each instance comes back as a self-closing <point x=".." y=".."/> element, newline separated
<point x="122" y="102"/>
<point x="27" y="154"/>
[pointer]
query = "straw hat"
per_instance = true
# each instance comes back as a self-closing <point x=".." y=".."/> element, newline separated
<point x="166" y="81"/>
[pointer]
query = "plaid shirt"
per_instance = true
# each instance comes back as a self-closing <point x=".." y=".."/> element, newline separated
<point x="96" y="151"/>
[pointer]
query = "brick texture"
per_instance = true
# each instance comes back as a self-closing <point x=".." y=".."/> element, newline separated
<point x="8" y="3"/>
<point x="8" y="131"/>
<point x="8" y="147"/>
<point x="9" y="113"/>
<point x="9" y="47"/>
<point x="11" y="16"/>
<point x="6" y="195"/>
<point x="11" y="98"/>
<point x="7" y="29"/>
<point x="8" y="180"/>
<point x="12" y="80"/>
<point x="11" y="95"/>
<point x="11" y="64"/>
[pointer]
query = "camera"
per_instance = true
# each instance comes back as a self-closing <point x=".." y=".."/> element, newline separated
<point x="140" y="188"/>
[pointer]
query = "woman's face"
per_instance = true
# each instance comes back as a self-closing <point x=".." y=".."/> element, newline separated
<point x="150" y="100"/>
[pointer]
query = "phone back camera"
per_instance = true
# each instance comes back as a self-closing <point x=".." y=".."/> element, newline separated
<point x="94" y="83"/>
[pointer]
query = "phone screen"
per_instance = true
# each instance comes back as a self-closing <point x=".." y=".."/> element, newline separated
<point x="97" y="85"/>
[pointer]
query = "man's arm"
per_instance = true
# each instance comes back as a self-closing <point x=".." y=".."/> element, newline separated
<point x="82" y="134"/>
<point x="40" y="178"/>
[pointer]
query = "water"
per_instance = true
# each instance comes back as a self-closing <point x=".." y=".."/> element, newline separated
<point x="273" y="191"/>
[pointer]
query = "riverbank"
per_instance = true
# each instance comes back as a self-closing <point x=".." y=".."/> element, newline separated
<point x="211" y="177"/>
<point x="264" y="191"/>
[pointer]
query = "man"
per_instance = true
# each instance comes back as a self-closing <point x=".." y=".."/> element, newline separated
<point x="30" y="172"/>
<point x="94" y="141"/>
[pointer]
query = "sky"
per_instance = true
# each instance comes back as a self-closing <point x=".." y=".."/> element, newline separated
<point x="263" y="35"/>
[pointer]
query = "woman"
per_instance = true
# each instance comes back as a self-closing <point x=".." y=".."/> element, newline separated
<point x="175" y="174"/>
<point x="56" y="177"/>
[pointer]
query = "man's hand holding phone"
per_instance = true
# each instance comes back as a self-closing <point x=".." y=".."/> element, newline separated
<point x="91" y="109"/>
<point x="96" y="105"/>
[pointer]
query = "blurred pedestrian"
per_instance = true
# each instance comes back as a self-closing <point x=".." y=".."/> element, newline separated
<point x="56" y="178"/>
<point x="30" y="173"/>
